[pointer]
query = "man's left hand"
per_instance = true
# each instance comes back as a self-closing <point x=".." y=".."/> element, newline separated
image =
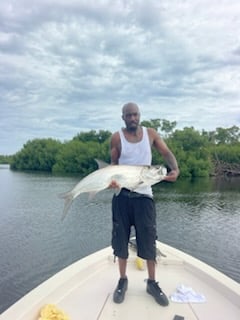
<point x="172" y="176"/>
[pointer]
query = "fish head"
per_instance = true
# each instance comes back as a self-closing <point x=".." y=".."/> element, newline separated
<point x="153" y="174"/>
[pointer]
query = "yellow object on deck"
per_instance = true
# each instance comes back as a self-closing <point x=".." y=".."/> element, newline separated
<point x="51" y="312"/>
<point x="139" y="263"/>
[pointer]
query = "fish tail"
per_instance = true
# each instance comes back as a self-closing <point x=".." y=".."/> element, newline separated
<point x="68" y="197"/>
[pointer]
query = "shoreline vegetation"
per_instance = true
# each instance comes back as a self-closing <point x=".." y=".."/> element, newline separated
<point x="199" y="154"/>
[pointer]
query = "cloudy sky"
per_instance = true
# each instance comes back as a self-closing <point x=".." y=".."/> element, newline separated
<point x="68" y="66"/>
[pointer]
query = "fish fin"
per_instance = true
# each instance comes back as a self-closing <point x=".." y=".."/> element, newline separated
<point x="91" y="195"/>
<point x="137" y="185"/>
<point x="117" y="191"/>
<point x="101" y="164"/>
<point x="68" y="197"/>
<point x="160" y="253"/>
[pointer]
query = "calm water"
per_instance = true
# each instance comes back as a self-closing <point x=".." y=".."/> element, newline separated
<point x="201" y="218"/>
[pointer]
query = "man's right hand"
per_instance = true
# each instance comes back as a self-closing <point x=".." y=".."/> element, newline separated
<point x="113" y="185"/>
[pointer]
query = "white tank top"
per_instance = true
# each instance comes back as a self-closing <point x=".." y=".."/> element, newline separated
<point x="136" y="153"/>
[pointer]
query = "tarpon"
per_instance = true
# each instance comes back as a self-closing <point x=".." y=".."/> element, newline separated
<point x="126" y="176"/>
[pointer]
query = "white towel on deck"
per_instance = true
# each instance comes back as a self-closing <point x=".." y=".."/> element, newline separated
<point x="186" y="294"/>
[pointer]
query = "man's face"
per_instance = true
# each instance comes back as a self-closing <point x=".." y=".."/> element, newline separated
<point x="131" y="117"/>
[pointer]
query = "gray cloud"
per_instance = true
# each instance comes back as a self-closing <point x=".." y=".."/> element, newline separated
<point x="69" y="66"/>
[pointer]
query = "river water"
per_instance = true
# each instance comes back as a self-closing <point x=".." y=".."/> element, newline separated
<point x="200" y="217"/>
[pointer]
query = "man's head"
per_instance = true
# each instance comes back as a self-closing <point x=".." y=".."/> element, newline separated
<point x="131" y="116"/>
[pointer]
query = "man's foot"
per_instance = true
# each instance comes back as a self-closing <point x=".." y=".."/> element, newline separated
<point x="156" y="292"/>
<point x="119" y="292"/>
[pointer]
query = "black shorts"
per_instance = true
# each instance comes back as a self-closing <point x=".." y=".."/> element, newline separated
<point x="133" y="209"/>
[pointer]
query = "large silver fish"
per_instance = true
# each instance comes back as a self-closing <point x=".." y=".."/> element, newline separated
<point x="126" y="176"/>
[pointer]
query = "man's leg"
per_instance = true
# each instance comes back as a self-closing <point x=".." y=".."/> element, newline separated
<point x="151" y="269"/>
<point x="152" y="286"/>
<point x="119" y="293"/>
<point x="122" y="264"/>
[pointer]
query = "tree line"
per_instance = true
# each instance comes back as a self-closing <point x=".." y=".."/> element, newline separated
<point x="199" y="154"/>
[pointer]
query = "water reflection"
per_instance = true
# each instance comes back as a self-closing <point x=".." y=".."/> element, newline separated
<point x="199" y="217"/>
<point x="202" y="218"/>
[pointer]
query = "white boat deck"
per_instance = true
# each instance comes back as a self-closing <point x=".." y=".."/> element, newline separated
<point x="84" y="291"/>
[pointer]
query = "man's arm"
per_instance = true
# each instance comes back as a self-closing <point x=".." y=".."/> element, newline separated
<point x="167" y="155"/>
<point x="115" y="154"/>
<point x="114" y="148"/>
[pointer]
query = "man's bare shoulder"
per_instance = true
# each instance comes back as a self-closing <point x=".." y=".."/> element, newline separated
<point x="153" y="135"/>
<point x="151" y="131"/>
<point x="115" y="136"/>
